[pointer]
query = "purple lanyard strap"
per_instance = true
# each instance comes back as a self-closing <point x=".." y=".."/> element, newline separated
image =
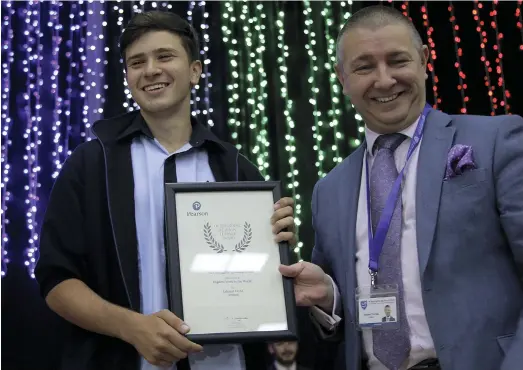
<point x="376" y="242"/>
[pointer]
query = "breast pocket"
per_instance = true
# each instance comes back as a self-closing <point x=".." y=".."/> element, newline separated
<point x="463" y="199"/>
<point x="472" y="178"/>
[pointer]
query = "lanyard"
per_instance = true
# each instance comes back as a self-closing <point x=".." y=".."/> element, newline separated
<point x="376" y="242"/>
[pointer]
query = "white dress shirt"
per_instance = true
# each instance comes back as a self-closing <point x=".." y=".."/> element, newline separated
<point x="422" y="345"/>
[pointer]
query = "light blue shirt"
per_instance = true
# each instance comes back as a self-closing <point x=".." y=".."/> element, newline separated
<point x="192" y="165"/>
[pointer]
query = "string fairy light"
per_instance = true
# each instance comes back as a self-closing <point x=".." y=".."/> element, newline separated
<point x="229" y="23"/>
<point x="334" y="112"/>
<point x="405" y="9"/>
<point x="260" y="139"/>
<point x="499" y="58"/>
<point x="81" y="67"/>
<point x="432" y="54"/>
<point x="33" y="69"/>
<point x="129" y="104"/>
<point x="256" y="81"/>
<point x="290" y="140"/>
<point x="7" y="60"/>
<point x="462" y="86"/>
<point x="519" y="23"/>
<point x="206" y="75"/>
<point x="354" y="142"/>
<point x="488" y="69"/>
<point x="94" y="64"/>
<point x="195" y="111"/>
<point x="312" y="79"/>
<point x="56" y="40"/>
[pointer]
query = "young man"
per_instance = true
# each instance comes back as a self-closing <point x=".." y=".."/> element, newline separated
<point x="102" y="254"/>
<point x="448" y="258"/>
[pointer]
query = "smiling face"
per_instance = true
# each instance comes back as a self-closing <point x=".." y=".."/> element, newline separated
<point x="383" y="73"/>
<point x="160" y="74"/>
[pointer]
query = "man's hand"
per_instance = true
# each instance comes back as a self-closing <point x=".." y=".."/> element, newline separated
<point x="160" y="339"/>
<point x="282" y="221"/>
<point x="312" y="286"/>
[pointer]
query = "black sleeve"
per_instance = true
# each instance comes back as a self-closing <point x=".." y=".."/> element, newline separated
<point x="248" y="171"/>
<point x="62" y="242"/>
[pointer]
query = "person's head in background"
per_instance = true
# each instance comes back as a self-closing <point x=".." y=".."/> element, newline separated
<point x="284" y="352"/>
<point x="160" y="53"/>
<point x="381" y="64"/>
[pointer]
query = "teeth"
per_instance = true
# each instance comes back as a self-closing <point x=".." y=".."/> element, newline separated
<point x="387" y="99"/>
<point x="154" y="87"/>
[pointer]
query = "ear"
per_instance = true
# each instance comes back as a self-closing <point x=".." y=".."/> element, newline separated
<point x="341" y="76"/>
<point x="425" y="59"/>
<point x="196" y="72"/>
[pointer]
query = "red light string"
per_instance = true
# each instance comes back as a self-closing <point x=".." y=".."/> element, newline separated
<point x="483" y="41"/>
<point x="462" y="86"/>
<point x="520" y="22"/>
<point x="405" y="9"/>
<point x="499" y="57"/>
<point x="432" y="54"/>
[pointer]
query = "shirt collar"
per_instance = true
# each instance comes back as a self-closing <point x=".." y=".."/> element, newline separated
<point x="199" y="135"/>
<point x="371" y="136"/>
<point x="281" y="367"/>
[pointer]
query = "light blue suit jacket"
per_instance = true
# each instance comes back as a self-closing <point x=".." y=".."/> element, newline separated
<point x="470" y="241"/>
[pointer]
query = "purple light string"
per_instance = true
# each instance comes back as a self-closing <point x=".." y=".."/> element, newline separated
<point x="7" y="59"/>
<point x="32" y="134"/>
<point x="82" y="68"/>
<point x="95" y="63"/>
<point x="56" y="41"/>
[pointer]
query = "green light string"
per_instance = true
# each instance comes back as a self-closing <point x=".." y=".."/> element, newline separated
<point x="231" y="43"/>
<point x="255" y="82"/>
<point x="345" y="14"/>
<point x="334" y="112"/>
<point x="313" y="70"/>
<point x="290" y="140"/>
<point x="262" y="144"/>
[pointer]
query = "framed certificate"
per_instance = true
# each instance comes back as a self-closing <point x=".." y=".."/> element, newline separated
<point x="222" y="262"/>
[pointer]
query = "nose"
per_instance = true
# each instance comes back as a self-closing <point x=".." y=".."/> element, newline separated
<point x="384" y="79"/>
<point x="152" y="69"/>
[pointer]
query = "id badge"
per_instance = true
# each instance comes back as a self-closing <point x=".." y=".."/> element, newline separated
<point x="377" y="308"/>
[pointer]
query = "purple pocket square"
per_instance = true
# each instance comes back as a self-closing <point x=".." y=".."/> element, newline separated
<point x="459" y="160"/>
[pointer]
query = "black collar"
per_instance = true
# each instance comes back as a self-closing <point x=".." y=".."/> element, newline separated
<point x="133" y="124"/>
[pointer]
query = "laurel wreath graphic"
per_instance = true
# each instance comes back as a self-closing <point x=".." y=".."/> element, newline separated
<point x="246" y="240"/>
<point x="207" y="234"/>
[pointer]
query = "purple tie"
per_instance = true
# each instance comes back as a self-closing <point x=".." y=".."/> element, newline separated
<point x="391" y="347"/>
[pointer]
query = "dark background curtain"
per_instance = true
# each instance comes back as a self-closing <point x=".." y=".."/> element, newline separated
<point x="54" y="85"/>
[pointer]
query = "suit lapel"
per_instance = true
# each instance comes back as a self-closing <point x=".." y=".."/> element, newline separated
<point x="348" y="194"/>
<point x="120" y="191"/>
<point x="435" y="145"/>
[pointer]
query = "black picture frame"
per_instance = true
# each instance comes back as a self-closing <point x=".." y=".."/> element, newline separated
<point x="173" y="263"/>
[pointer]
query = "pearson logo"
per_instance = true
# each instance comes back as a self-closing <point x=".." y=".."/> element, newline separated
<point x="197" y="206"/>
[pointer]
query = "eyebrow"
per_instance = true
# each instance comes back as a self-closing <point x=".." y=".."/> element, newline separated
<point x="368" y="57"/>
<point x="155" y="51"/>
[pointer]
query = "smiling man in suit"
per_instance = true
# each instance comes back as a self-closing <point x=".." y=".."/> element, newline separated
<point x="426" y="215"/>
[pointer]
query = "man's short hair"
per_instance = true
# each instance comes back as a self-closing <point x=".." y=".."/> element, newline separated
<point x="157" y="20"/>
<point x="374" y="17"/>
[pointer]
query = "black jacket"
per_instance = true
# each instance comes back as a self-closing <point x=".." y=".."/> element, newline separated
<point x="89" y="232"/>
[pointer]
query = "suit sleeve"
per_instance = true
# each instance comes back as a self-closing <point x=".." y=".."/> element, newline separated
<point x="327" y="325"/>
<point x="508" y="172"/>
<point x="62" y="249"/>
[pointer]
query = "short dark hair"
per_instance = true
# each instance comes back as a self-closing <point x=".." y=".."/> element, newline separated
<point x="377" y="16"/>
<point x="157" y="20"/>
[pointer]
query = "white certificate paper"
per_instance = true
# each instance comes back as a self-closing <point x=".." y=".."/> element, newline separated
<point x="229" y="262"/>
